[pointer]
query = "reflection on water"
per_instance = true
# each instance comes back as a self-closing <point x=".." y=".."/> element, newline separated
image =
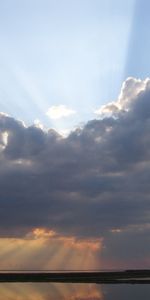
<point x="62" y="291"/>
<point x="49" y="291"/>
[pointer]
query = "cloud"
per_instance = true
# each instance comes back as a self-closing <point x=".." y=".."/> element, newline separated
<point x="38" y="124"/>
<point x="130" y="91"/>
<point x="60" y="111"/>
<point x="107" y="110"/>
<point x="92" y="184"/>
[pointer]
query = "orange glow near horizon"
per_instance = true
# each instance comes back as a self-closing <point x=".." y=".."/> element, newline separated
<point x="46" y="249"/>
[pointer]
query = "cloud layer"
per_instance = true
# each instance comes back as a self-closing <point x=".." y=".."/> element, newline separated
<point x="92" y="184"/>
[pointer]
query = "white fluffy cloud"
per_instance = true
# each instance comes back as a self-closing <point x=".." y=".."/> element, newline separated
<point x="131" y="89"/>
<point x="109" y="109"/>
<point x="59" y="111"/>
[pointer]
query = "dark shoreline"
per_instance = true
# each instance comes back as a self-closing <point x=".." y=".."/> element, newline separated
<point x="104" y="277"/>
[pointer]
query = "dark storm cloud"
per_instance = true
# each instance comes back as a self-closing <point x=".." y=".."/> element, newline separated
<point x="88" y="184"/>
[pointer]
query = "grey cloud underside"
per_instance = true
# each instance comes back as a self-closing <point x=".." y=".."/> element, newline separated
<point x="95" y="180"/>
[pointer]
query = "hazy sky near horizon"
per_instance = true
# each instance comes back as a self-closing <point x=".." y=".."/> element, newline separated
<point x="79" y="68"/>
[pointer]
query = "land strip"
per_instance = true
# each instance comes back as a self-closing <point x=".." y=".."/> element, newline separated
<point x="113" y="277"/>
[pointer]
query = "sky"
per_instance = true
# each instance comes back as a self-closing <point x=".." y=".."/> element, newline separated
<point x="74" y="134"/>
<point x="62" y="52"/>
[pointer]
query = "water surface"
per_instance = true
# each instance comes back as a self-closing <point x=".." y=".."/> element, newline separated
<point x="65" y="291"/>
